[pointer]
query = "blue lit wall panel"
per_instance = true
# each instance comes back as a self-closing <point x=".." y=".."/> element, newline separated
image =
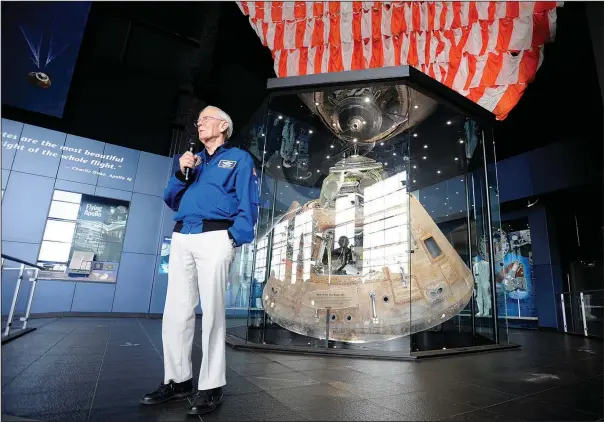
<point x="160" y="287"/>
<point x="5" y="174"/>
<point x="74" y="187"/>
<point x="53" y="296"/>
<point x="80" y="162"/>
<point x="119" y="167"/>
<point x="133" y="290"/>
<point x="93" y="297"/>
<point x="514" y="178"/>
<point x="39" y="151"/>
<point x="11" y="133"/>
<point x="27" y="252"/>
<point x="546" y="295"/>
<point x="144" y="224"/>
<point x="167" y="226"/>
<point x="113" y="193"/>
<point x="152" y="174"/>
<point x="25" y="207"/>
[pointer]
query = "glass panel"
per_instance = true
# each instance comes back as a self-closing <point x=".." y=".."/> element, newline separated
<point x="60" y="231"/>
<point x="501" y="245"/>
<point x="594" y="304"/>
<point x="60" y="195"/>
<point x="54" y="252"/>
<point x="64" y="210"/>
<point x="373" y="207"/>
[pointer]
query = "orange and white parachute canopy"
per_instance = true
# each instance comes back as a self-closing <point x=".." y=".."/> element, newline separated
<point x="486" y="51"/>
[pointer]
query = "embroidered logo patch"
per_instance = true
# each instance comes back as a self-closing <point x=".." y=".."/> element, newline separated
<point x="227" y="164"/>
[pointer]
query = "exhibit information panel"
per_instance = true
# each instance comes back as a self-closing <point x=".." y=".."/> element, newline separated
<point x="374" y="205"/>
<point x="83" y="238"/>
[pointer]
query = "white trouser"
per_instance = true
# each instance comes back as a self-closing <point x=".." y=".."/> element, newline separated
<point x="199" y="266"/>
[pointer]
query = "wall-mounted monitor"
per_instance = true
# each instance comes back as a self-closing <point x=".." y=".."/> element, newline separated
<point x="40" y="46"/>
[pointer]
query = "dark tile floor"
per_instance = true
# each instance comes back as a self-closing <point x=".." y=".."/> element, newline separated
<point x="84" y="369"/>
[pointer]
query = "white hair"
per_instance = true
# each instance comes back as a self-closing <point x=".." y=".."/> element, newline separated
<point x="224" y="116"/>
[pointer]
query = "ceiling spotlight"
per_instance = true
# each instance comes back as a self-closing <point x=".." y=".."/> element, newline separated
<point x="393" y="127"/>
<point x="394" y="153"/>
<point x="262" y="134"/>
<point x="381" y="143"/>
<point x="456" y="193"/>
<point x="280" y="117"/>
<point x="318" y="171"/>
<point x="461" y="141"/>
<point x="426" y="146"/>
<point x="296" y="152"/>
<point x="414" y="166"/>
<point x="367" y="99"/>
<point x="310" y="131"/>
<point x="438" y="171"/>
<point x="297" y="142"/>
<point x="456" y="158"/>
<point x="327" y="156"/>
<point x="385" y="164"/>
<point x="415" y="135"/>
<point x="278" y="167"/>
<point x="334" y="125"/>
<point x="354" y="140"/>
<point x="424" y="157"/>
<point x="416" y="107"/>
<point x="449" y="122"/>
<point x="316" y="103"/>
<point x="331" y="146"/>
<point x="414" y="180"/>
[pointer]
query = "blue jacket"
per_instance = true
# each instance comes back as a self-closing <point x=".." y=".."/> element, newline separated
<point x="223" y="187"/>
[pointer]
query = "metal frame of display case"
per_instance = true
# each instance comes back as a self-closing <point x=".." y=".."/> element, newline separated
<point x="433" y="89"/>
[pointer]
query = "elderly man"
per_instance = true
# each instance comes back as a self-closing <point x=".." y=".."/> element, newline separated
<point x="216" y="210"/>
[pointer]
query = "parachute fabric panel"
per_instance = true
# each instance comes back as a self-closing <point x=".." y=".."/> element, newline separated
<point x="487" y="51"/>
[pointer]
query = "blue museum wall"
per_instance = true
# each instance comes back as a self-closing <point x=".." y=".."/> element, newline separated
<point x="33" y="166"/>
<point x="547" y="274"/>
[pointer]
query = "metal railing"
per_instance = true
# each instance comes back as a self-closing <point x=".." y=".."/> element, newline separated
<point x="25" y="266"/>
<point x="583" y="312"/>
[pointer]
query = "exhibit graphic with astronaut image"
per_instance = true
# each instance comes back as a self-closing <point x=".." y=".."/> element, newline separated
<point x="365" y="257"/>
<point x="516" y="295"/>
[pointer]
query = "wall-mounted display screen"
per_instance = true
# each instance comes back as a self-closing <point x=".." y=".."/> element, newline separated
<point x="83" y="238"/>
<point x="40" y="46"/>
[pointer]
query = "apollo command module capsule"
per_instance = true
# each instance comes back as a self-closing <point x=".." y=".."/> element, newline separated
<point x="365" y="256"/>
<point x="39" y="79"/>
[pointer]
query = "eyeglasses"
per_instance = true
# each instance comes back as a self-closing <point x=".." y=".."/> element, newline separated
<point x="205" y="119"/>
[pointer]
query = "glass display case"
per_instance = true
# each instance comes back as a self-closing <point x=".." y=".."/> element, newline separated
<point x="378" y="218"/>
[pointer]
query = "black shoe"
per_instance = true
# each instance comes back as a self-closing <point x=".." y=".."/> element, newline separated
<point x="206" y="401"/>
<point x="169" y="392"/>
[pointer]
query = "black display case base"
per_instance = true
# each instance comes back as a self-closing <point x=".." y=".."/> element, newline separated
<point x="428" y="344"/>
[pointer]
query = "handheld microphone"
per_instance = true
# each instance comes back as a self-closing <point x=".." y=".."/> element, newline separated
<point x="187" y="169"/>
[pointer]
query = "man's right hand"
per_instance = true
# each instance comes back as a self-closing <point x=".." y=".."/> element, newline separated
<point x="188" y="160"/>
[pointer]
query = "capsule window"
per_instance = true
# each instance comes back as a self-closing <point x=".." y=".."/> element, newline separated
<point x="349" y="318"/>
<point x="432" y="247"/>
<point x="333" y="317"/>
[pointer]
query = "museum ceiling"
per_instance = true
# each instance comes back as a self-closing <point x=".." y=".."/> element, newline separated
<point x="144" y="66"/>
